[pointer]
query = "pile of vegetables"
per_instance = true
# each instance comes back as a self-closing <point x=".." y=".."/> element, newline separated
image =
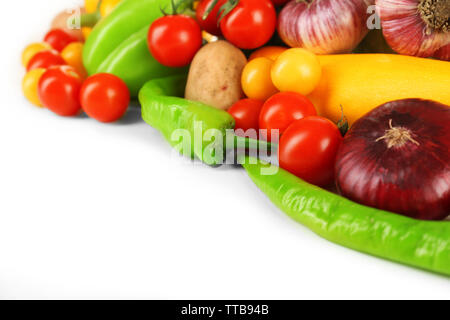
<point x="281" y="77"/>
<point x="57" y="77"/>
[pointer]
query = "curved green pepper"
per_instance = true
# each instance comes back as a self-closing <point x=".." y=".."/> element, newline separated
<point x="421" y="244"/>
<point x="180" y="119"/>
<point x="118" y="44"/>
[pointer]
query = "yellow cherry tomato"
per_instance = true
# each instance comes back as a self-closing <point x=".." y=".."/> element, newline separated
<point x="256" y="80"/>
<point x="108" y="6"/>
<point x="31" y="50"/>
<point x="30" y="86"/>
<point x="86" y="32"/>
<point x="91" y="5"/>
<point x="73" y="55"/>
<point x="297" y="70"/>
<point x="270" y="52"/>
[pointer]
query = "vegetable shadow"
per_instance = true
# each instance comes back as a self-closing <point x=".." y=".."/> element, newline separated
<point x="132" y="116"/>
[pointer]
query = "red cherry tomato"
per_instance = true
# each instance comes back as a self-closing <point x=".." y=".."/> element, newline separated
<point x="105" y="97"/>
<point x="45" y="59"/>
<point x="250" y="24"/>
<point x="174" y="40"/>
<point x="246" y="114"/>
<point x="211" y="23"/>
<point x="59" y="39"/>
<point x="59" y="90"/>
<point x="281" y="110"/>
<point x="308" y="149"/>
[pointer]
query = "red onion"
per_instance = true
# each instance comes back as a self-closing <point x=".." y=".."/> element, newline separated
<point x="416" y="27"/>
<point x="397" y="158"/>
<point x="324" y="26"/>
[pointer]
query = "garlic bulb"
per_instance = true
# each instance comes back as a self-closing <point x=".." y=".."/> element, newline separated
<point x="324" y="26"/>
<point x="443" y="53"/>
<point x="416" y="27"/>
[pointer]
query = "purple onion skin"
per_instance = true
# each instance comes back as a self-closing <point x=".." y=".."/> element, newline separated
<point x="413" y="179"/>
<point x="324" y="26"/>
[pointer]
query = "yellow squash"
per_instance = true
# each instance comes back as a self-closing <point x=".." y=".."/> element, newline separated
<point x="361" y="82"/>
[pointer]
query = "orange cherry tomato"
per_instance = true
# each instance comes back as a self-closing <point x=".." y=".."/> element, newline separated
<point x="86" y="32"/>
<point x="256" y="79"/>
<point x="270" y="52"/>
<point x="73" y="55"/>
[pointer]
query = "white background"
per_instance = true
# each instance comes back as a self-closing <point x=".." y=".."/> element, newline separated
<point x="89" y="210"/>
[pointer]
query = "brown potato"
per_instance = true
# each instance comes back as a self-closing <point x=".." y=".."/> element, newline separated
<point x="215" y="75"/>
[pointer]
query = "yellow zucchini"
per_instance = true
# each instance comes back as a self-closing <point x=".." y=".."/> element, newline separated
<point x="362" y="82"/>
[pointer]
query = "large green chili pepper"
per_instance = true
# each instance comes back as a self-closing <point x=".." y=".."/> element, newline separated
<point x="422" y="244"/>
<point x="163" y="109"/>
<point x="118" y="44"/>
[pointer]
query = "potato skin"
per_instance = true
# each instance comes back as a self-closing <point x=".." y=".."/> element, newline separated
<point x="215" y="75"/>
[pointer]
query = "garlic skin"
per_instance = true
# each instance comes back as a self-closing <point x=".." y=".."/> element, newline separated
<point x="415" y="27"/>
<point x="324" y="26"/>
<point x="443" y="53"/>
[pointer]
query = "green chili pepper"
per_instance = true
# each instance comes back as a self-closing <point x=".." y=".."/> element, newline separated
<point x="202" y="127"/>
<point x="118" y="44"/>
<point x="421" y="244"/>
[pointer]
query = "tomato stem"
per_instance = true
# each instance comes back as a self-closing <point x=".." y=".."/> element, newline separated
<point x="343" y="123"/>
<point x="227" y="8"/>
<point x="180" y="7"/>
<point x="209" y="9"/>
